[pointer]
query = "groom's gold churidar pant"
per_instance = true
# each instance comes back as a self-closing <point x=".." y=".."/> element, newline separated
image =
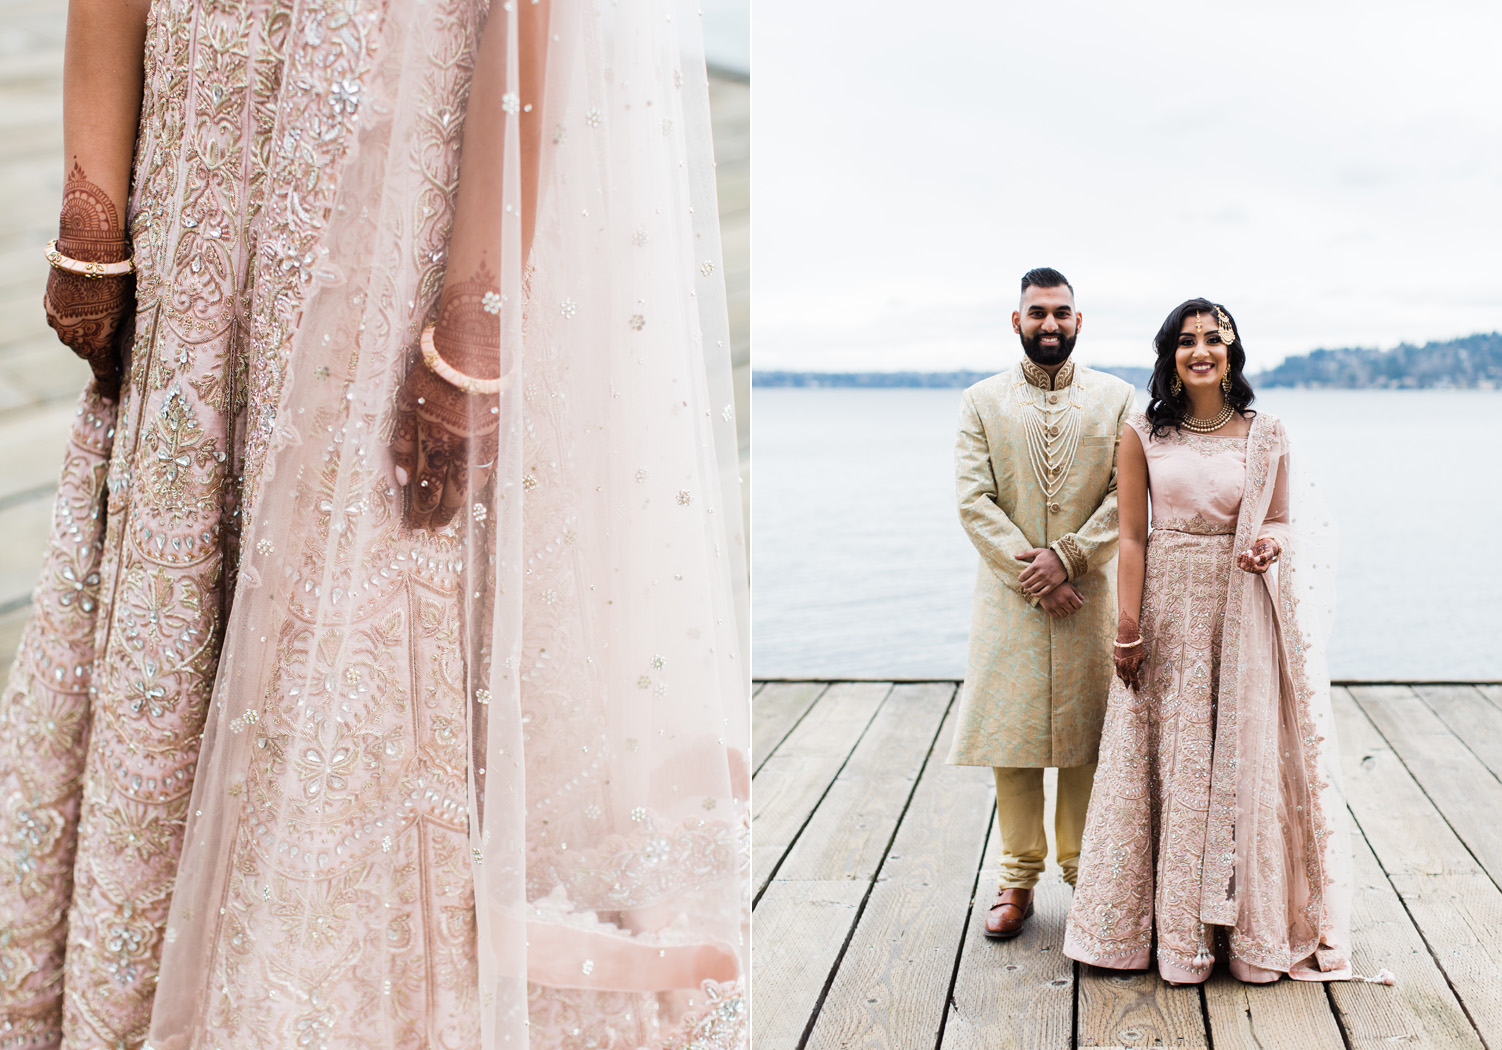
<point x="1019" y="818"/>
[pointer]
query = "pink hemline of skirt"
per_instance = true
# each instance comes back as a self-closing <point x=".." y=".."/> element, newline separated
<point x="1245" y="972"/>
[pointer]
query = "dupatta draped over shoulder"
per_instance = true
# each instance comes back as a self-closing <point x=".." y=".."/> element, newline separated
<point x="1277" y="858"/>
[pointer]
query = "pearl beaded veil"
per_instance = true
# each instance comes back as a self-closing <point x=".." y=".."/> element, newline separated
<point x="541" y="708"/>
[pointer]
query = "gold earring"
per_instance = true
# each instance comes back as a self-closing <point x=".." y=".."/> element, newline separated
<point x="1177" y="386"/>
<point x="1225" y="383"/>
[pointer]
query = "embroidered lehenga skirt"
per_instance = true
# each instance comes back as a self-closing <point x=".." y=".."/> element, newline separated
<point x="101" y="720"/>
<point x="1145" y="835"/>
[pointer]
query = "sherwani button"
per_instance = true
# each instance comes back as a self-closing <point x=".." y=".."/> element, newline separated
<point x="1055" y="507"/>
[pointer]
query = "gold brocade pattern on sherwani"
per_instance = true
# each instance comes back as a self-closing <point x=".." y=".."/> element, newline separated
<point x="1038" y="376"/>
<point x="1035" y="688"/>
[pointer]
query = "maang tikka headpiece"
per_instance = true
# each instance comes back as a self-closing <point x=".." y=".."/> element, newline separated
<point x="1227" y="333"/>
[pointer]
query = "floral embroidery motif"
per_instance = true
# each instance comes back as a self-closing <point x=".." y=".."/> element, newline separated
<point x="720" y="1022"/>
<point x="1197" y="525"/>
<point x="44" y="709"/>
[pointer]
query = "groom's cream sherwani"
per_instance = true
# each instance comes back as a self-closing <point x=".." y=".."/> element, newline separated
<point x="1035" y="687"/>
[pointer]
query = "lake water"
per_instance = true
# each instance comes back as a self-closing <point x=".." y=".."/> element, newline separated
<point x="860" y="567"/>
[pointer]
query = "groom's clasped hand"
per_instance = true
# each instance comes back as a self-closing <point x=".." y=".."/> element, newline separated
<point x="1046" y="579"/>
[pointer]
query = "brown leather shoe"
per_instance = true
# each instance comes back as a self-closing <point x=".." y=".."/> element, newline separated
<point x="1007" y="915"/>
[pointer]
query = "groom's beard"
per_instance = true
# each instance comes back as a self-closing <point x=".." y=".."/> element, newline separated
<point x="1039" y="354"/>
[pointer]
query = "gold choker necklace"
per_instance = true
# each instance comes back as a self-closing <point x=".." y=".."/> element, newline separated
<point x="1215" y="422"/>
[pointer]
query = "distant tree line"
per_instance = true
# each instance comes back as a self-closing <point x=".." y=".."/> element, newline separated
<point x="1136" y="376"/>
<point x="1469" y="363"/>
<point x="869" y="379"/>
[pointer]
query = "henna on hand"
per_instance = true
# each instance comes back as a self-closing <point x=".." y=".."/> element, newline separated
<point x="439" y="427"/>
<point x="87" y="312"/>
<point x="1128" y="661"/>
<point x="1260" y="557"/>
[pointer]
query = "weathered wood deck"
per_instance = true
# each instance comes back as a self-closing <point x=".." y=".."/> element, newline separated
<point x="873" y="862"/>
<point x="40" y="378"/>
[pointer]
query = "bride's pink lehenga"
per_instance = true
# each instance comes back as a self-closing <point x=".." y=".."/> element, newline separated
<point x="277" y="770"/>
<point x="1217" y="822"/>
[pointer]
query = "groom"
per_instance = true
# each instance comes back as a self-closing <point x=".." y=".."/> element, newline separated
<point x="1036" y="466"/>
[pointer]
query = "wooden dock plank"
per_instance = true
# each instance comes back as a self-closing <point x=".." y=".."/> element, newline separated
<point x="800" y="930"/>
<point x="26" y="528"/>
<point x="41" y="367"/>
<point x="31" y="447"/>
<point x="793" y="779"/>
<point x="849" y="833"/>
<point x="1132" y="1008"/>
<point x="24" y="317"/>
<point x="1452" y="776"/>
<point x="1474" y="719"/>
<point x="775" y="709"/>
<point x="891" y="987"/>
<point x="1016" y="994"/>
<point x="830" y="868"/>
<point x="1419" y="1010"/>
<point x="1456" y="907"/>
<point x="11" y="626"/>
<point x="1284" y="1015"/>
<point x="917" y="967"/>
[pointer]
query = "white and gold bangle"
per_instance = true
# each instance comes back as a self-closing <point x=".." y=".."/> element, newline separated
<point x="1128" y="645"/>
<point x="91" y="270"/>
<point x="451" y="375"/>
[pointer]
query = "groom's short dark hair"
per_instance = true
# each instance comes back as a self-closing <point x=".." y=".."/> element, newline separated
<point x="1045" y="277"/>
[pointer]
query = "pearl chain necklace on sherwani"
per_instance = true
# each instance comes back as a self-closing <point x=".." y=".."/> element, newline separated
<point x="1052" y="424"/>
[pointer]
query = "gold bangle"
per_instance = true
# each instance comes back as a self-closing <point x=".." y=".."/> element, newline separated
<point x="92" y="270"/>
<point x="451" y="375"/>
<point x="1128" y="645"/>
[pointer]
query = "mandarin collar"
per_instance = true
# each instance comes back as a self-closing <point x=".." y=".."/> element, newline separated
<point x="1039" y="378"/>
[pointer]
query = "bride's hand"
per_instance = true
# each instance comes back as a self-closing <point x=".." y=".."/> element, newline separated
<point x="1263" y="553"/>
<point x="444" y="444"/>
<point x="87" y="312"/>
<point x="1128" y="660"/>
<point x="438" y="429"/>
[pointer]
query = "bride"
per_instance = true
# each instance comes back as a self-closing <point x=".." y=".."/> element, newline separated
<point x="1217" y="818"/>
<point x="383" y="687"/>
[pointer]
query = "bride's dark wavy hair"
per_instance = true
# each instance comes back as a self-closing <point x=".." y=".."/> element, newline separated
<point x="1165" y="409"/>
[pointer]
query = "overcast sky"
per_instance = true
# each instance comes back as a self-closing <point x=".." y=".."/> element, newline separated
<point x="1332" y="172"/>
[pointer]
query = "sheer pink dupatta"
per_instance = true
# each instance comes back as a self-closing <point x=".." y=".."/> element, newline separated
<point x="568" y="652"/>
<point x="1277" y="857"/>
